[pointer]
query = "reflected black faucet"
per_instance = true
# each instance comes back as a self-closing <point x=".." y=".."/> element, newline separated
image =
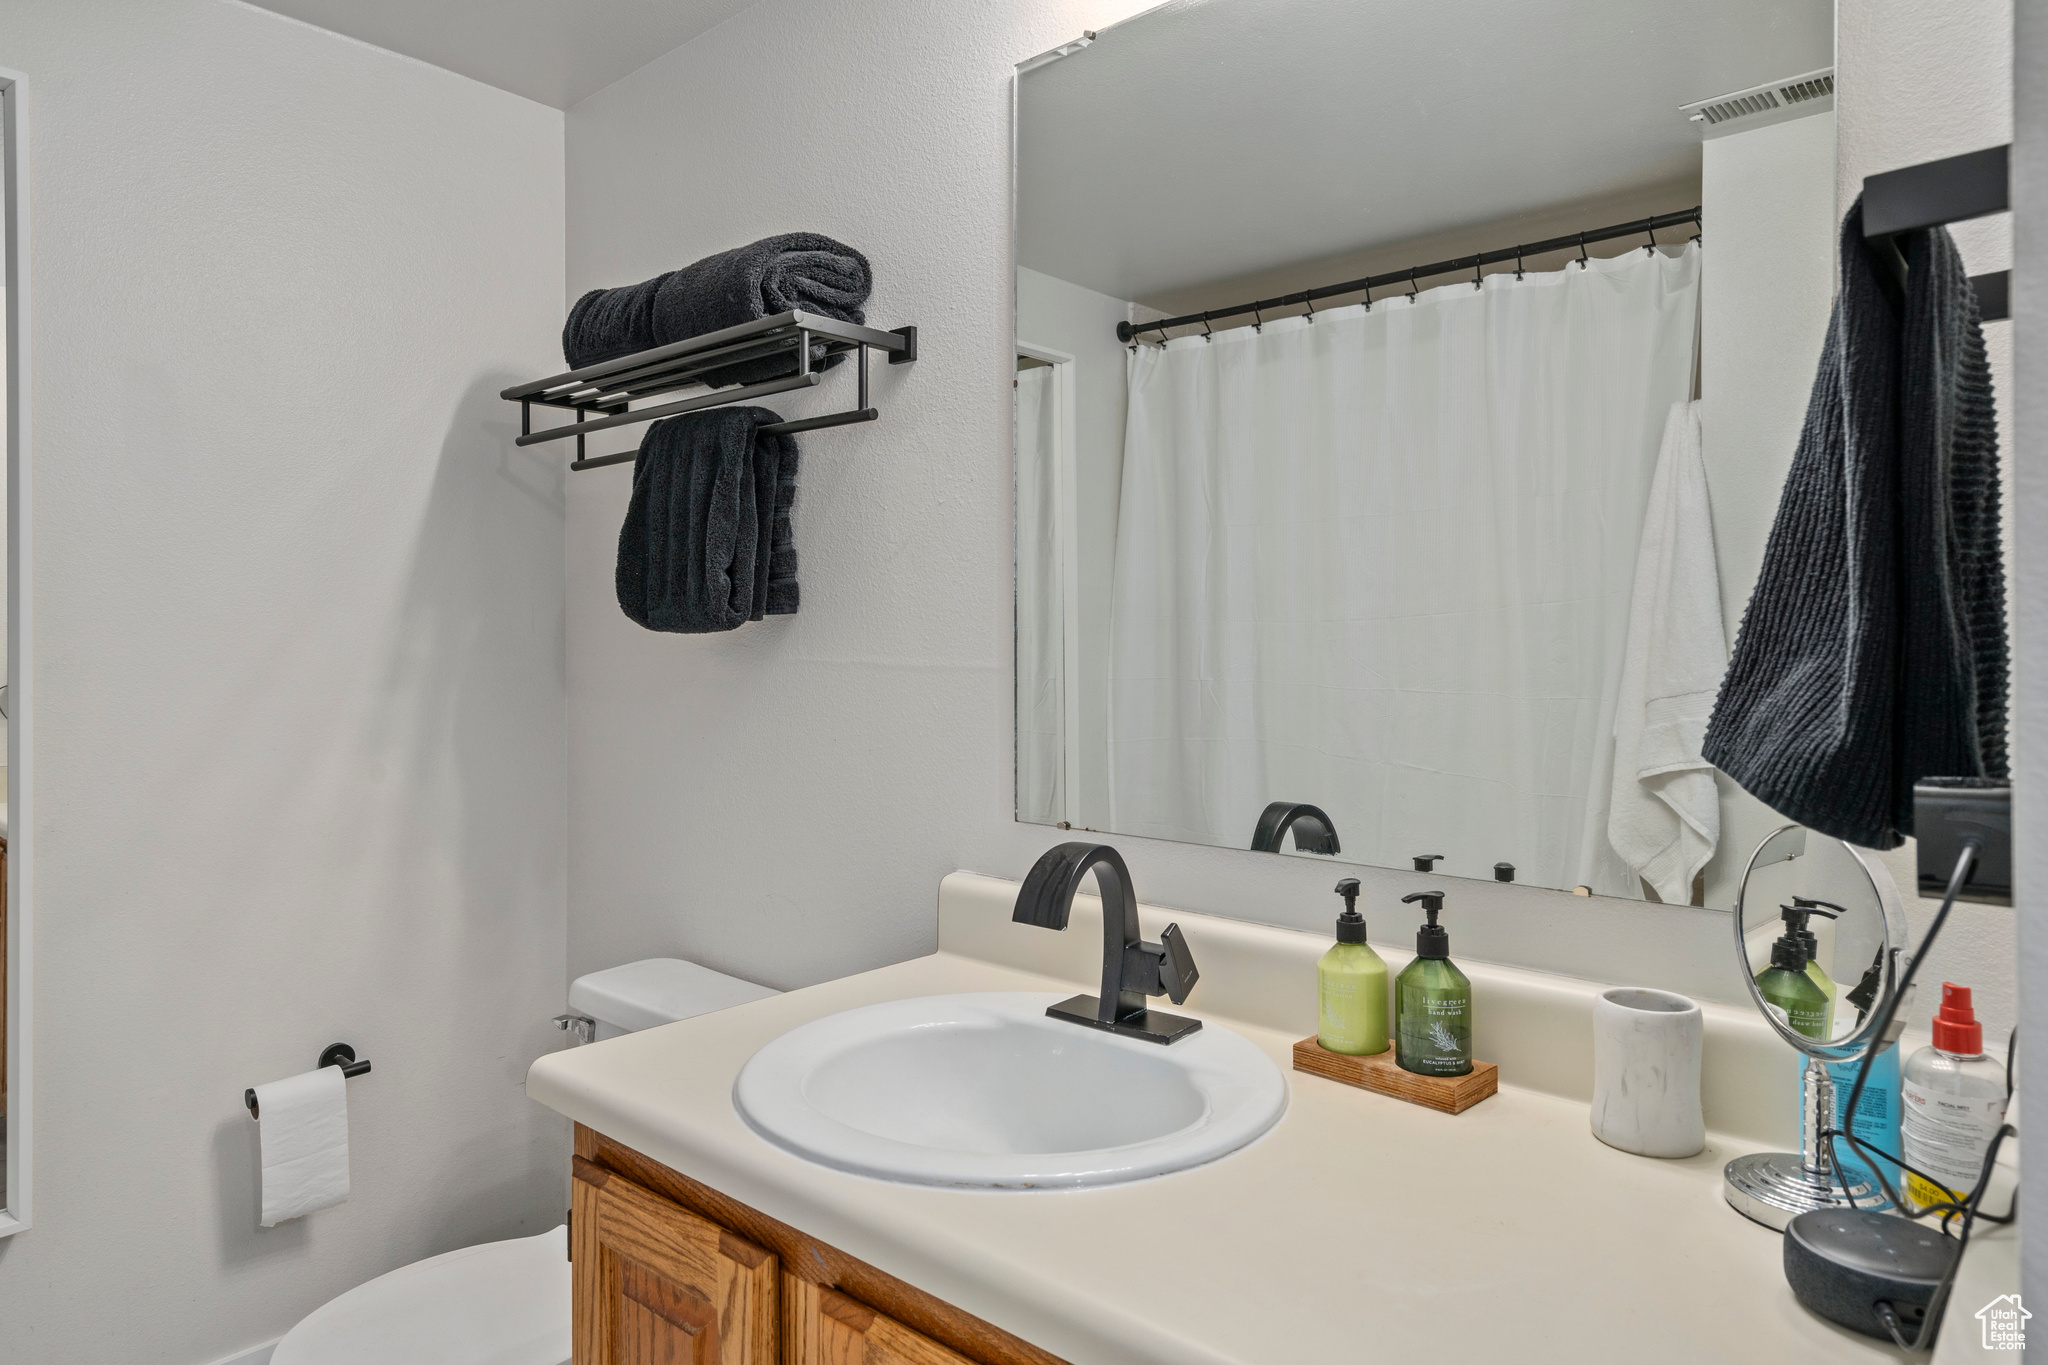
<point x="1313" y="830"/>
<point x="1131" y="969"/>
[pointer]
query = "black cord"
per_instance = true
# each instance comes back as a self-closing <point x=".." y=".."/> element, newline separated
<point x="1968" y="1207"/>
<point x="1966" y="861"/>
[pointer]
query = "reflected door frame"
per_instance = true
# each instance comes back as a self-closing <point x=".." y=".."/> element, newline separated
<point x="1066" y="554"/>
<point x="15" y="1201"/>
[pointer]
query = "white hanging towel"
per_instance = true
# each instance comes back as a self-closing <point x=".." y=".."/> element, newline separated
<point x="1666" y="815"/>
<point x="303" y="1126"/>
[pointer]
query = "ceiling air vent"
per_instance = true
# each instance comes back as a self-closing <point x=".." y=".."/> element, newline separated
<point x="1760" y="105"/>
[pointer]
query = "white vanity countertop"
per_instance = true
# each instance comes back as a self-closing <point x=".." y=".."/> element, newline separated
<point x="1361" y="1228"/>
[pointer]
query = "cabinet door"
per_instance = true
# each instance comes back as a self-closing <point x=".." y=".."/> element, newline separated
<point x="821" y="1326"/>
<point x="657" y="1285"/>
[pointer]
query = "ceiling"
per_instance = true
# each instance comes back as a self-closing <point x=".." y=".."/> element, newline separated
<point x="1211" y="139"/>
<point x="553" y="51"/>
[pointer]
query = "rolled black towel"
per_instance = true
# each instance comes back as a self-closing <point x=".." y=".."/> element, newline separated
<point x="707" y="544"/>
<point x="608" y="323"/>
<point x="794" y="270"/>
<point x="803" y="270"/>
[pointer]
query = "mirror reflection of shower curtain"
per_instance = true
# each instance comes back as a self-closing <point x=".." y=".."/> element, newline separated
<point x="1041" y="742"/>
<point x="1381" y="561"/>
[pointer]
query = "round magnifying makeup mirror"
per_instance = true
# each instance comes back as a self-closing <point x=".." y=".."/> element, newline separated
<point x="1819" y="932"/>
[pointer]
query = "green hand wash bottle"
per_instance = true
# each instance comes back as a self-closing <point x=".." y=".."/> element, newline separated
<point x="1433" y="1002"/>
<point x="1351" y="986"/>
<point x="1789" y="991"/>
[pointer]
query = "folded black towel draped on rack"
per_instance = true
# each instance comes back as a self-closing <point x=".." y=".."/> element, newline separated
<point x="1874" y="650"/>
<point x="795" y="270"/>
<point x="706" y="545"/>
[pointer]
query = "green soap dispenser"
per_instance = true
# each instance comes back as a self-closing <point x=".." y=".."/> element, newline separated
<point x="1351" y="986"/>
<point x="1433" y="1002"/>
<point x="1803" y="908"/>
<point x="1786" y="987"/>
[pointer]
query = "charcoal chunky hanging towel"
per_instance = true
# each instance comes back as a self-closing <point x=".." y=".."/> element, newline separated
<point x="706" y="544"/>
<point x="1874" y="652"/>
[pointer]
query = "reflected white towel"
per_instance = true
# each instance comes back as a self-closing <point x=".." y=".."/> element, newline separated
<point x="303" y="1126"/>
<point x="1666" y="815"/>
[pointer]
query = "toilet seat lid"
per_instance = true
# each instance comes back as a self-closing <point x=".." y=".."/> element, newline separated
<point x="502" y="1303"/>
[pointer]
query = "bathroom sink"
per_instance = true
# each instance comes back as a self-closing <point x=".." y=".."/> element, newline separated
<point x="985" y="1090"/>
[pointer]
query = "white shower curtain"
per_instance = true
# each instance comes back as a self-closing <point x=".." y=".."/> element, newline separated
<point x="1381" y="561"/>
<point x="1041" y="785"/>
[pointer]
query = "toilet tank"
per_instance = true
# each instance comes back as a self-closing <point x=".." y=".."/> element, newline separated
<point x="656" y="990"/>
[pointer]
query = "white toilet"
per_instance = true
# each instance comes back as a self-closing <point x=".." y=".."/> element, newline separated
<point x="502" y="1303"/>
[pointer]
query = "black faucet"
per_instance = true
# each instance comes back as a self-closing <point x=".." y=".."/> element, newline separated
<point x="1313" y="830"/>
<point x="1131" y="969"/>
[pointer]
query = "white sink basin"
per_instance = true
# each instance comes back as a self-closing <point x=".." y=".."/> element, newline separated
<point x="985" y="1090"/>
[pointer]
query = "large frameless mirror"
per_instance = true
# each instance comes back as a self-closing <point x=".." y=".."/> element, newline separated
<point x="1403" y="397"/>
<point x="14" y="935"/>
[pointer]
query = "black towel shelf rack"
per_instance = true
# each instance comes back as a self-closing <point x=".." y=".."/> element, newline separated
<point x="1939" y="192"/>
<point x="601" y="395"/>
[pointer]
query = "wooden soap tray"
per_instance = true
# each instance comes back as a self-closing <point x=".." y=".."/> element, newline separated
<point x="1381" y="1074"/>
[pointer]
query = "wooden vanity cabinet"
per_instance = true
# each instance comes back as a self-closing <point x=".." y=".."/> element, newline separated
<point x="657" y="1285"/>
<point x="669" y="1271"/>
<point x="821" y="1326"/>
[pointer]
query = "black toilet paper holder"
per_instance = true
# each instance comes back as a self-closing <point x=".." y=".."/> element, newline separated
<point x="335" y="1054"/>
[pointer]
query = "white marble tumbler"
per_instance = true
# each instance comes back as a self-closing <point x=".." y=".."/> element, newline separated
<point x="1646" y="1072"/>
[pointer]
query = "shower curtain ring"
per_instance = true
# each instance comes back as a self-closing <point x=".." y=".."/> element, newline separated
<point x="1258" y="320"/>
<point x="1477" y="283"/>
<point x="1411" y="283"/>
<point x="1368" y="297"/>
<point x="1308" y="302"/>
<point x="1650" y="230"/>
<point x="1583" y="263"/>
<point x="1518" y="260"/>
<point x="1208" y="333"/>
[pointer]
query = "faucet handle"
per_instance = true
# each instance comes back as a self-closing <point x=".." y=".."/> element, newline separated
<point x="1177" y="971"/>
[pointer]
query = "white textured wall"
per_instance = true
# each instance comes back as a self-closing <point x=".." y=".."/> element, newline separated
<point x="1765" y="295"/>
<point x="300" y="735"/>
<point x="2030" y="599"/>
<point x="1915" y="83"/>
<point x="1065" y="317"/>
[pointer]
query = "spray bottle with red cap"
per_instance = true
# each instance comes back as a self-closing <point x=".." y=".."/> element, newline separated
<point x="1954" y="1100"/>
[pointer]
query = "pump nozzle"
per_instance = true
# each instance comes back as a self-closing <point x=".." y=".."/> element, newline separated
<point x="1350" y="924"/>
<point x="1796" y="915"/>
<point x="1432" y="939"/>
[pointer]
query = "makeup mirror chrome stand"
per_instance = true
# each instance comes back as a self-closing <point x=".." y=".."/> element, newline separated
<point x="1773" y="1188"/>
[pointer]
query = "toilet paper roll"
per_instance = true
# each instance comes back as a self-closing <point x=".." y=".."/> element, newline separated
<point x="303" y="1129"/>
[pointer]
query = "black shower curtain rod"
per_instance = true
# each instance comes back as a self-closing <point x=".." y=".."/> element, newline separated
<point x="1126" y="331"/>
